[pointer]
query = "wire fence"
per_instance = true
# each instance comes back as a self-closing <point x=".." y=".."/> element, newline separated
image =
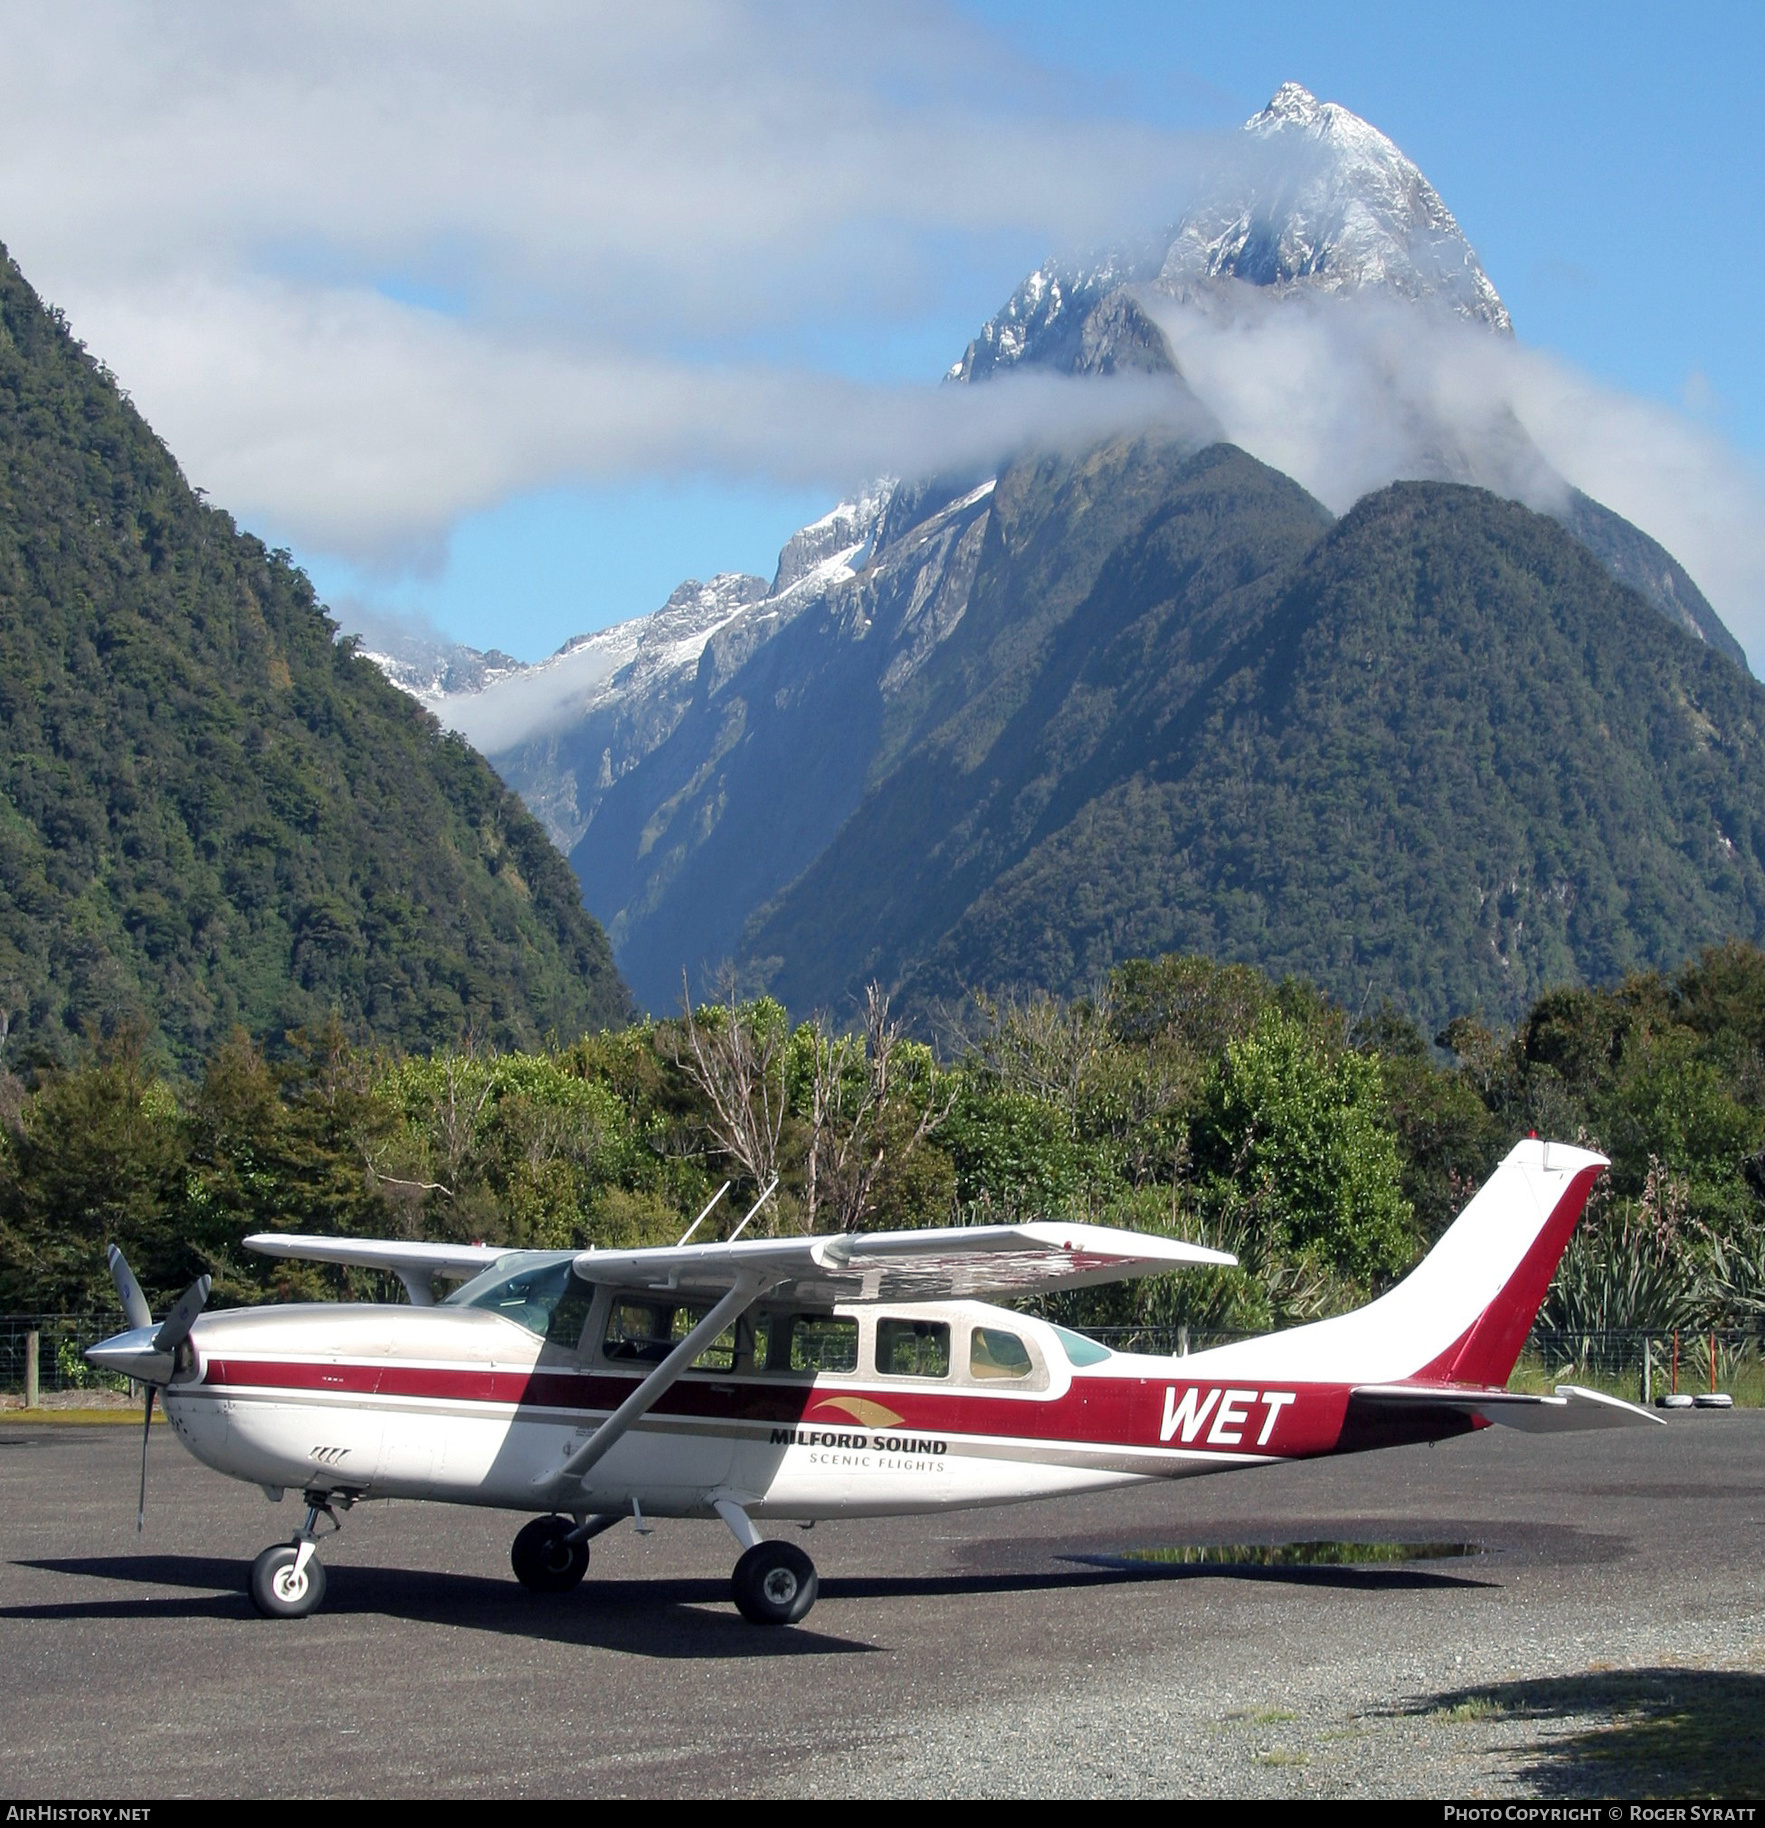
<point x="61" y="1341"/>
<point x="1637" y="1363"/>
<point x="1640" y="1363"/>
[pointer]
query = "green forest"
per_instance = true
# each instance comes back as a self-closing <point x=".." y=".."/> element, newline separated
<point x="1325" y="1147"/>
<point x="213" y="813"/>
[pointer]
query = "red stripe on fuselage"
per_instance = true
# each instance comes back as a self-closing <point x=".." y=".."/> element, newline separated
<point x="1094" y="1411"/>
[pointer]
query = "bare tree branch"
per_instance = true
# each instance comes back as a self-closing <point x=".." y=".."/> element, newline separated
<point x="738" y="1064"/>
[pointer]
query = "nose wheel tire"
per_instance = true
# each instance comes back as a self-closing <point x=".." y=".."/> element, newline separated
<point x="277" y="1591"/>
<point x="775" y="1584"/>
<point x="543" y="1561"/>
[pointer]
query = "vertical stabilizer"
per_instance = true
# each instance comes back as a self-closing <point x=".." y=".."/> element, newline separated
<point x="1463" y="1313"/>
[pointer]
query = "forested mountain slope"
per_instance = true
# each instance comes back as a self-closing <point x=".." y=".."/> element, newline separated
<point x="1448" y="759"/>
<point x="939" y="655"/>
<point x="210" y="811"/>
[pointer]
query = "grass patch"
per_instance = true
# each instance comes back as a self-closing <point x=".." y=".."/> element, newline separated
<point x="1739" y="1371"/>
<point x="78" y="1418"/>
<point x="1474" y="1707"/>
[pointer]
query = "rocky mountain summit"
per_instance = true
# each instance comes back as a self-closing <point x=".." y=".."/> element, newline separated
<point x="1315" y="200"/>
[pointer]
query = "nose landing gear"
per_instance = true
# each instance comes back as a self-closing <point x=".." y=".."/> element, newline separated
<point x="288" y="1579"/>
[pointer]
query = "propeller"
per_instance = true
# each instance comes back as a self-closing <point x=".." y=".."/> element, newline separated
<point x="149" y="1360"/>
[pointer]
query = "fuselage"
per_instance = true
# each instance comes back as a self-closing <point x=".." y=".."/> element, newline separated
<point x="864" y="1410"/>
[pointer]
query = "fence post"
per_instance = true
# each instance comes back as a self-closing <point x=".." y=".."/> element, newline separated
<point x="31" y="1391"/>
<point x="1183" y="1341"/>
<point x="1648" y="1366"/>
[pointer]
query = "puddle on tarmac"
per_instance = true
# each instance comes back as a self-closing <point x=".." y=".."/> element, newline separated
<point x="1294" y="1554"/>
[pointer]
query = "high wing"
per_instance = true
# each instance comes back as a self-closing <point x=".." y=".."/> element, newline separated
<point x="1571" y="1409"/>
<point x="937" y="1264"/>
<point x="415" y="1265"/>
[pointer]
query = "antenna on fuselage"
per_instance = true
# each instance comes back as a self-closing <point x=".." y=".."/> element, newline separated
<point x="703" y="1216"/>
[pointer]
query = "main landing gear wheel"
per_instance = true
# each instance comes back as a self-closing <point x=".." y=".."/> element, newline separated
<point x="775" y="1584"/>
<point x="281" y="1588"/>
<point x="543" y="1561"/>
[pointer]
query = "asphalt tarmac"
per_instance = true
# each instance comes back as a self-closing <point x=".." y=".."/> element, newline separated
<point x="1608" y="1640"/>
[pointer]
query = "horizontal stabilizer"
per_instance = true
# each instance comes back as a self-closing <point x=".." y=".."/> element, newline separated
<point x="1570" y="1410"/>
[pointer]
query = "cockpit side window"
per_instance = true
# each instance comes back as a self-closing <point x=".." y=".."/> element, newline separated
<point x="541" y="1293"/>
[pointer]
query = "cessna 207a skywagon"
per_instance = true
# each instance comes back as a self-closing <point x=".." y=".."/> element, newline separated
<point x="817" y="1377"/>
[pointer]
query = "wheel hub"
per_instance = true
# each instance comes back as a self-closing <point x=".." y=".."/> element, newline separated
<point x="780" y="1586"/>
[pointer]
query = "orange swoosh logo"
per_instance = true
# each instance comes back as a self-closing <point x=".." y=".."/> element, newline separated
<point x="862" y="1409"/>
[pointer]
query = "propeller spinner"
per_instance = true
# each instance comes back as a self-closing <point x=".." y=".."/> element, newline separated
<point x="146" y="1354"/>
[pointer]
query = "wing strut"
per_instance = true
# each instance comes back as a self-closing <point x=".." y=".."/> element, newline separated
<point x="747" y="1290"/>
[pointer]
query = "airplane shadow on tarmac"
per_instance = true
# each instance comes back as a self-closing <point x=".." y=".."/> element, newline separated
<point x="658" y="1618"/>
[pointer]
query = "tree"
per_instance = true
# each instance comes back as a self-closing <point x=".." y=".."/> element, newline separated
<point x="734" y="1053"/>
<point x="99" y="1160"/>
<point x="1300" y="1142"/>
<point x="873" y="1101"/>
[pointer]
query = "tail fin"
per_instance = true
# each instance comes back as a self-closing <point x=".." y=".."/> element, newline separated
<point x="1463" y="1313"/>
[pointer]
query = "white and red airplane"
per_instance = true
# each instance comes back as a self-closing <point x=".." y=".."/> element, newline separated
<point x="819" y="1377"/>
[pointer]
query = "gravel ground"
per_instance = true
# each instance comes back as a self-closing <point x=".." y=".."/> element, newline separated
<point x="1610" y="1641"/>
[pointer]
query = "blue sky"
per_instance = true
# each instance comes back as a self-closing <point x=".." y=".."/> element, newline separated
<point x="516" y="332"/>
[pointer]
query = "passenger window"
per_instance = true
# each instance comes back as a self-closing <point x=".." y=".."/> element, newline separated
<point x="647" y="1331"/>
<point x="812" y="1342"/>
<point x="913" y="1348"/>
<point x="719" y="1355"/>
<point x="992" y="1353"/>
<point x="639" y="1330"/>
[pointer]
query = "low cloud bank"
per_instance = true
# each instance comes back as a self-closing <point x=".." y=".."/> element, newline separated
<point x="1346" y="394"/>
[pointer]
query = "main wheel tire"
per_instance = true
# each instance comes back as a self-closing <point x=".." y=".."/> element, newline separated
<point x="775" y="1584"/>
<point x="543" y="1561"/>
<point x="278" y="1592"/>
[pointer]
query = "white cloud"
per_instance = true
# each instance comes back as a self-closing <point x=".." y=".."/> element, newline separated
<point x="1346" y="394"/>
<point x="609" y="210"/>
<point x="238" y="208"/>
<point x="370" y="427"/>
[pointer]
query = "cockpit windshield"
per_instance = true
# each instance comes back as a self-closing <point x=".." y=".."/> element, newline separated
<point x="537" y="1289"/>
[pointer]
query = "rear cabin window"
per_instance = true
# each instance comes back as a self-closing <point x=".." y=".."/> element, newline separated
<point x="645" y="1332"/>
<point x="994" y="1353"/>
<point x="1080" y="1350"/>
<point x="913" y="1348"/>
<point x="805" y="1342"/>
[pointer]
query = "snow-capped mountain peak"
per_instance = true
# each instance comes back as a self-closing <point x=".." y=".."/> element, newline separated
<point x="1311" y="199"/>
<point x="1336" y="208"/>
